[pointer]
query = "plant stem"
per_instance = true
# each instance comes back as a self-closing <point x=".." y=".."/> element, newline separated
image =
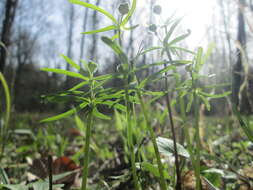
<point x="4" y="129"/>
<point x="186" y="130"/>
<point x="196" y="125"/>
<point x="153" y="138"/>
<point x="50" y="172"/>
<point x="178" y="185"/>
<point x="130" y="140"/>
<point x="86" y="150"/>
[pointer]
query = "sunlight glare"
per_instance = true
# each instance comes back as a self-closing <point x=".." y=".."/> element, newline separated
<point x="197" y="16"/>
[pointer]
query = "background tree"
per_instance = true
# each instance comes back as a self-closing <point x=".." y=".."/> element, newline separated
<point x="71" y="20"/>
<point x="240" y="97"/>
<point x="10" y="11"/>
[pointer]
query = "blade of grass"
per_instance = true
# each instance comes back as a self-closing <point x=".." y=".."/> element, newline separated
<point x="4" y="134"/>
<point x="107" y="28"/>
<point x="88" y="5"/>
<point x="64" y="72"/>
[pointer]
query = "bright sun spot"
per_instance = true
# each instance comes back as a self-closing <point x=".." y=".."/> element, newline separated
<point x="197" y="16"/>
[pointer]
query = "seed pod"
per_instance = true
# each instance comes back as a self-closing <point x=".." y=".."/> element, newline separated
<point x="157" y="9"/>
<point x="152" y="28"/>
<point x="123" y="8"/>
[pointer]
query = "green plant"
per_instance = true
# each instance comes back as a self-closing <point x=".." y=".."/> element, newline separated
<point x="87" y="101"/>
<point x="190" y="87"/>
<point x="134" y="91"/>
<point x="6" y="117"/>
<point x="244" y="124"/>
<point x="197" y="94"/>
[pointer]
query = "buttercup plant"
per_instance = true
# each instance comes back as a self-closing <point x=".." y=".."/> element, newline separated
<point x="87" y="101"/>
<point x="133" y="91"/>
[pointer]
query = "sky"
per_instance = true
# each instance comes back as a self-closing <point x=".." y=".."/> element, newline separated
<point x="197" y="16"/>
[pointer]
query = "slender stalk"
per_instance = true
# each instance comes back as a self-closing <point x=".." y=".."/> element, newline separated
<point x="186" y="130"/>
<point x="178" y="185"/>
<point x="153" y="139"/>
<point x="4" y="129"/>
<point x="196" y="126"/>
<point x="130" y="136"/>
<point x="87" y="150"/>
<point x="50" y="172"/>
<point x="129" y="123"/>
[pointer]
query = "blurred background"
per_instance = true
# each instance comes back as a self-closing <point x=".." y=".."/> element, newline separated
<point x="36" y="32"/>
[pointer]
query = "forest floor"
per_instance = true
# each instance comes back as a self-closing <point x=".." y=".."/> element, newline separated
<point x="226" y="154"/>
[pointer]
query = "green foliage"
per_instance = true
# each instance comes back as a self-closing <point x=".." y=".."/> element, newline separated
<point x="248" y="131"/>
<point x="133" y="93"/>
<point x="6" y="117"/>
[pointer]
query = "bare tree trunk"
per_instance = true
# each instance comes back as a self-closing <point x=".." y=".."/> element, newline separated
<point x="10" y="10"/>
<point x="94" y="36"/>
<point x="239" y="96"/>
<point x="70" y="39"/>
<point x="85" y="19"/>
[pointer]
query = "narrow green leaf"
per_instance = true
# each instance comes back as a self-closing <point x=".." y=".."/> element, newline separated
<point x="5" y="48"/>
<point x="130" y="28"/>
<point x="119" y="124"/>
<point x="215" y="95"/>
<point x="244" y="125"/>
<point x="116" y="48"/>
<point x="107" y="28"/>
<point x="181" y="62"/>
<point x="100" y="115"/>
<point x="179" y="38"/>
<point x="64" y="72"/>
<point x="189" y="105"/>
<point x="218" y="85"/>
<point x="130" y="13"/>
<point x="88" y="5"/>
<point x="114" y="104"/>
<point x="65" y="114"/>
<point x="79" y="123"/>
<point x="116" y="36"/>
<point x="71" y="62"/>
<point x="155" y="93"/>
<point x="104" y="77"/>
<point x="120" y="107"/>
<point x="172" y="28"/>
<point x="8" y="102"/>
<point x="155" y="75"/>
<point x="149" y="50"/>
<point x="215" y="170"/>
<point x="78" y="86"/>
<point x="205" y="101"/>
<point x="4" y="177"/>
<point x="110" y="96"/>
<point x="199" y="62"/>
<point x="182" y="49"/>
